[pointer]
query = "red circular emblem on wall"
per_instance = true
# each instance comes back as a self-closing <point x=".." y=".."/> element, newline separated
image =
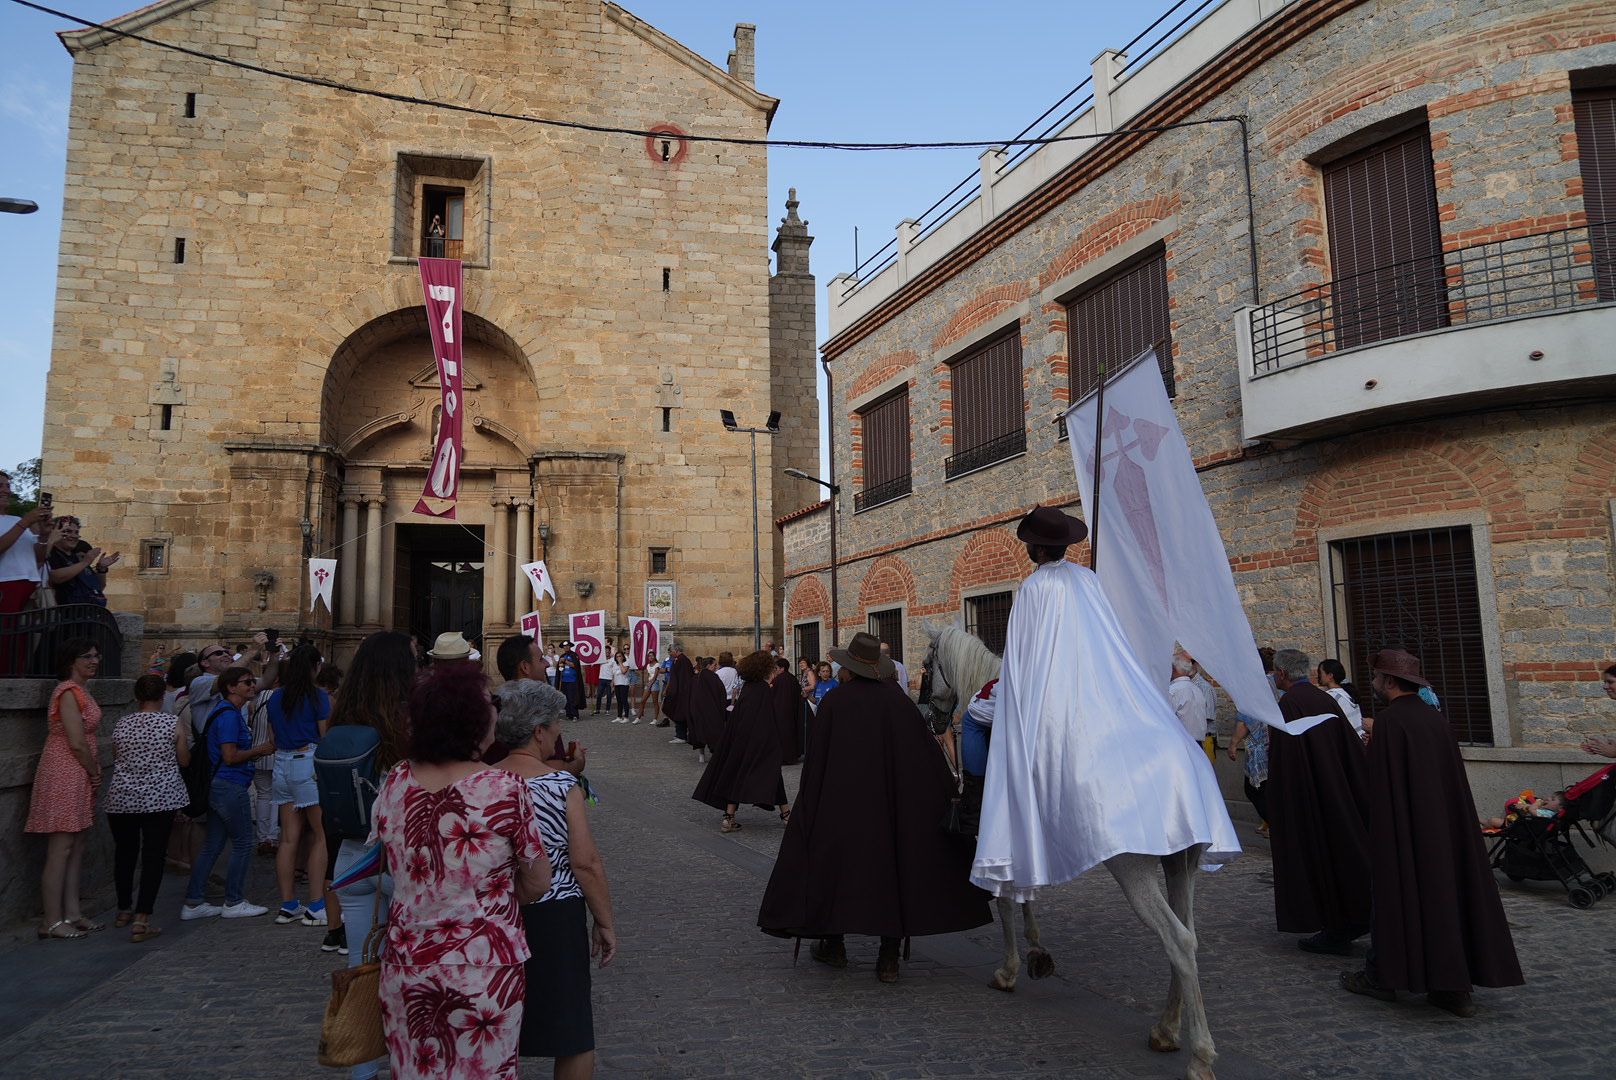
<point x="667" y="144"/>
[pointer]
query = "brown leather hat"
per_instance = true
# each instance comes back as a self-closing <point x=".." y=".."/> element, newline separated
<point x="1396" y="662"/>
<point x="1048" y="527"/>
<point x="863" y="657"/>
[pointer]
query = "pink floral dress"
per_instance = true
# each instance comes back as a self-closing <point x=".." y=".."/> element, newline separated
<point x="63" y="799"/>
<point x="452" y="977"/>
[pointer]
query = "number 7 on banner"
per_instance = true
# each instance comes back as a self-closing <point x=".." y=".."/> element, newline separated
<point x="533" y="625"/>
<point x="539" y="577"/>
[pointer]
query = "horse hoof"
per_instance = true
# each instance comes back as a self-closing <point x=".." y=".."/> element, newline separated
<point x="1199" y="1070"/>
<point x="1040" y="965"/>
<point x="999" y="982"/>
<point x="1163" y="1043"/>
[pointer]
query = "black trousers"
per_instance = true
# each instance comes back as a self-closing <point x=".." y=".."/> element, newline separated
<point x="141" y="838"/>
<point x="1258" y="799"/>
<point x="603" y="695"/>
<point x="622" y="699"/>
<point x="575" y="697"/>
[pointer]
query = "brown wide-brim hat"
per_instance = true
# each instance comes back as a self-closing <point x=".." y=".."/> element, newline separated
<point x="1397" y="663"/>
<point x="1048" y="527"/>
<point x="863" y="657"/>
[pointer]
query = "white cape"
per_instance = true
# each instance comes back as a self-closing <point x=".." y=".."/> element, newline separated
<point x="1088" y="759"/>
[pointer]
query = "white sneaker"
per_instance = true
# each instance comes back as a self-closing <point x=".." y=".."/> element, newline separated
<point x="620" y="720"/>
<point x="242" y="910"/>
<point x="285" y="916"/>
<point x="673" y="741"/>
<point x="315" y="916"/>
<point x="701" y="759"/>
<point x="199" y="911"/>
<point x="636" y="720"/>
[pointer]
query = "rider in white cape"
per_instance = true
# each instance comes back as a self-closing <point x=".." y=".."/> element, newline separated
<point x="1087" y="759"/>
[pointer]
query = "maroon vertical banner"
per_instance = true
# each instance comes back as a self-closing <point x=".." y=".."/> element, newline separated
<point x="644" y="634"/>
<point x="440" y="281"/>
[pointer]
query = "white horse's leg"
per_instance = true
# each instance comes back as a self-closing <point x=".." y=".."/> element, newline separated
<point x="1040" y="965"/>
<point x="1136" y="875"/>
<point x="1005" y="977"/>
<point x="1180" y="872"/>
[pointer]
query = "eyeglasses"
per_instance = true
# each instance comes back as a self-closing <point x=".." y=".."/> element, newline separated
<point x="209" y="656"/>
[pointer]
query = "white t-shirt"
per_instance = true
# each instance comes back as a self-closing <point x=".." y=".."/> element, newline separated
<point x="1189" y="705"/>
<point x="17" y="562"/>
<point x="731" y="680"/>
<point x="903" y="674"/>
<point x="1348" y="706"/>
<point x="620" y="676"/>
<point x="1211" y="697"/>
<point x="608" y="671"/>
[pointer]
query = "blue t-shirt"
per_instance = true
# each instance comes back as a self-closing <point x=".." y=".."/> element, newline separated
<point x="300" y="728"/>
<point x="569" y="672"/>
<point x="229" y="726"/>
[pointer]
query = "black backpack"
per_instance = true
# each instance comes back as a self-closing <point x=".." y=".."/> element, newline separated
<point x="347" y="778"/>
<point x="198" y="774"/>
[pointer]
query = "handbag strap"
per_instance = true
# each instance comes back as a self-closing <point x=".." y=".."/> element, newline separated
<point x="371" y="951"/>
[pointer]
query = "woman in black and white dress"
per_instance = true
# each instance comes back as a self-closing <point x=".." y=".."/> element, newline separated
<point x="149" y="747"/>
<point x="557" y="1019"/>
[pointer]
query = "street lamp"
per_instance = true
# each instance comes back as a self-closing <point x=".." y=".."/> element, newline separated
<point x="835" y="490"/>
<point x="771" y="426"/>
<point x="17" y="206"/>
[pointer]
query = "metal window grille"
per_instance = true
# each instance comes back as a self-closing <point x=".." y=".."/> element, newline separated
<point x="1594" y="112"/>
<point x="1386" y="241"/>
<point x="1416" y="591"/>
<point x="989" y="411"/>
<point x="888" y="627"/>
<point x="659" y="560"/>
<point x="884" y="428"/>
<point x="808" y="642"/>
<point x="988" y="617"/>
<point x="1118" y="319"/>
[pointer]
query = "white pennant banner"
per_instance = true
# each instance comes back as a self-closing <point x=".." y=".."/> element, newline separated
<point x="539" y="578"/>
<point x="322" y="574"/>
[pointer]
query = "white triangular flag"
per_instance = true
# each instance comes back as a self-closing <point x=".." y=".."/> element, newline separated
<point x="540" y="579"/>
<point x="322" y="573"/>
<point x="533" y="625"/>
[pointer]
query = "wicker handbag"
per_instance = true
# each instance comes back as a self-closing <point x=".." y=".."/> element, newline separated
<point x="351" y="1033"/>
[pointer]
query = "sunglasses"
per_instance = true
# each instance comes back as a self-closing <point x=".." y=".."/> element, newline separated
<point x="209" y="656"/>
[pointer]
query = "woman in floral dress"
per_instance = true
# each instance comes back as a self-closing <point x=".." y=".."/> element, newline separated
<point x="464" y="851"/>
<point x="62" y="804"/>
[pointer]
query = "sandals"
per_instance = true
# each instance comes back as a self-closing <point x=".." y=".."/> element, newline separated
<point x="143" y="931"/>
<point x="88" y="926"/>
<point x="730" y="824"/>
<point x="124" y="919"/>
<point x="57" y="932"/>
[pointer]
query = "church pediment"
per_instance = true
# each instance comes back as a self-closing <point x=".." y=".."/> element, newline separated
<point x="427" y="378"/>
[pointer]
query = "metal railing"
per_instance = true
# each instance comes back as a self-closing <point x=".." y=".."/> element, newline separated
<point x="1523" y="275"/>
<point x="986" y="453"/>
<point x="441" y="247"/>
<point x="895" y="488"/>
<point x="29" y="639"/>
<point x="1138" y="57"/>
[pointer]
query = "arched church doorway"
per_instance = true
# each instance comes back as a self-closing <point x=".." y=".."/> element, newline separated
<point x="403" y="571"/>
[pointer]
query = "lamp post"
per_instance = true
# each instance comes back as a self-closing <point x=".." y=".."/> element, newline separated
<point x="771" y="426"/>
<point x="835" y="490"/>
<point x="17" y="206"/>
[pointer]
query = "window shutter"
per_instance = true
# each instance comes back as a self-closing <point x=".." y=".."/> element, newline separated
<point x="989" y="415"/>
<point x="885" y="430"/>
<point x="1594" y="112"/>
<point x="1117" y="320"/>
<point x="1385" y="241"/>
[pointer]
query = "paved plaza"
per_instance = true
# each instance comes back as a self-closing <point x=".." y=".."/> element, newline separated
<point x="697" y="991"/>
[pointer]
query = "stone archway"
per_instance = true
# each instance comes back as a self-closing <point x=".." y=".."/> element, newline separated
<point x="379" y="405"/>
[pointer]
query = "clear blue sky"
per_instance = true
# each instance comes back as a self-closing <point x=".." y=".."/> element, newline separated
<point x="862" y="71"/>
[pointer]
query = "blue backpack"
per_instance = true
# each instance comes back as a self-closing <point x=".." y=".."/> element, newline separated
<point x="347" y="777"/>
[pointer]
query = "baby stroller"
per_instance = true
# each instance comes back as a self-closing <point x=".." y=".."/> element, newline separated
<point x="1540" y="848"/>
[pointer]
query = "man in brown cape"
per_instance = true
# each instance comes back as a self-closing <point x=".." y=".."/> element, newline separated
<point x="865" y="852"/>
<point x="676" y="698"/>
<point x="1439" y="927"/>
<point x="1318" y="817"/>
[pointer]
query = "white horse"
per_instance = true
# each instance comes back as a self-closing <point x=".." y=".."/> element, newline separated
<point x="959" y="664"/>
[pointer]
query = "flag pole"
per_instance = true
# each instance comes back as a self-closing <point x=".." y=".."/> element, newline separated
<point x="1094" y="511"/>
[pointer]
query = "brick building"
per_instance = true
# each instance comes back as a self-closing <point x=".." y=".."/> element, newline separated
<point x="242" y="376"/>
<point x="1391" y="355"/>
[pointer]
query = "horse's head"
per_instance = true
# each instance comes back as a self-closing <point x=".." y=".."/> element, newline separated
<point x="938" y="694"/>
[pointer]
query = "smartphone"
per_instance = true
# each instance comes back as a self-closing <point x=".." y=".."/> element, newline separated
<point x="46" y="501"/>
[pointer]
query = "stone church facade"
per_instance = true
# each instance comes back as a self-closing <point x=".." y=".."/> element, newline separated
<point x="1390" y="355"/>
<point x="242" y="376"/>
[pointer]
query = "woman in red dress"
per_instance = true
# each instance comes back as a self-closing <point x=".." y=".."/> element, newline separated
<point x="62" y="805"/>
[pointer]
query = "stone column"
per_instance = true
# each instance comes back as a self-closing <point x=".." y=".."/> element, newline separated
<point x="524" y="554"/>
<point x="373" y="559"/>
<point x="496" y="575"/>
<point x="348" y="563"/>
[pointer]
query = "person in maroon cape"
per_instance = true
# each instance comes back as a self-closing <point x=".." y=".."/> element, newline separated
<point x="865" y="851"/>
<point x="745" y="764"/>
<point x="787" y="694"/>
<point x="1439" y="926"/>
<point x="708" y="705"/>
<point x="676" y="699"/>
<point x="1318" y="817"/>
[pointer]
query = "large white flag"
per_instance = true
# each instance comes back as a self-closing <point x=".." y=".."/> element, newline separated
<point x="1160" y="557"/>
<point x="540" y="579"/>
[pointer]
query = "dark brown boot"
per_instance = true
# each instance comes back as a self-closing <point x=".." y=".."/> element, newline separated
<point x="886" y="964"/>
<point x="830" y="950"/>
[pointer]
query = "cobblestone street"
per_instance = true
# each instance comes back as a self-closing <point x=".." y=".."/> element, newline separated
<point x="697" y="991"/>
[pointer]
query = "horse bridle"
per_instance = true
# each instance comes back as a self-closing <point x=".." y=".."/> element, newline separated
<point x="942" y="704"/>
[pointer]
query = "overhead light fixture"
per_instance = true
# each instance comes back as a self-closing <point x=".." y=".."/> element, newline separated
<point x="729" y="419"/>
<point x="773" y="422"/>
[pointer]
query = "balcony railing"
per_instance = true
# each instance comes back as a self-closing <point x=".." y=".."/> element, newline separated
<point x="895" y="488"/>
<point x="986" y="453"/>
<point x="440" y="247"/>
<point x="29" y="639"/>
<point x="1501" y="279"/>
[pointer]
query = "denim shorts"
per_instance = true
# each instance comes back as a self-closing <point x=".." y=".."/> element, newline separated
<point x="294" y="779"/>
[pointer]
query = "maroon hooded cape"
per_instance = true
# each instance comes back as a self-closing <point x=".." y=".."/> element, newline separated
<point x="865" y="851"/>
<point x="787" y="695"/>
<point x="708" y="703"/>
<point x="1438" y="923"/>
<point x="745" y="766"/>
<point x="1318" y="817"/>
